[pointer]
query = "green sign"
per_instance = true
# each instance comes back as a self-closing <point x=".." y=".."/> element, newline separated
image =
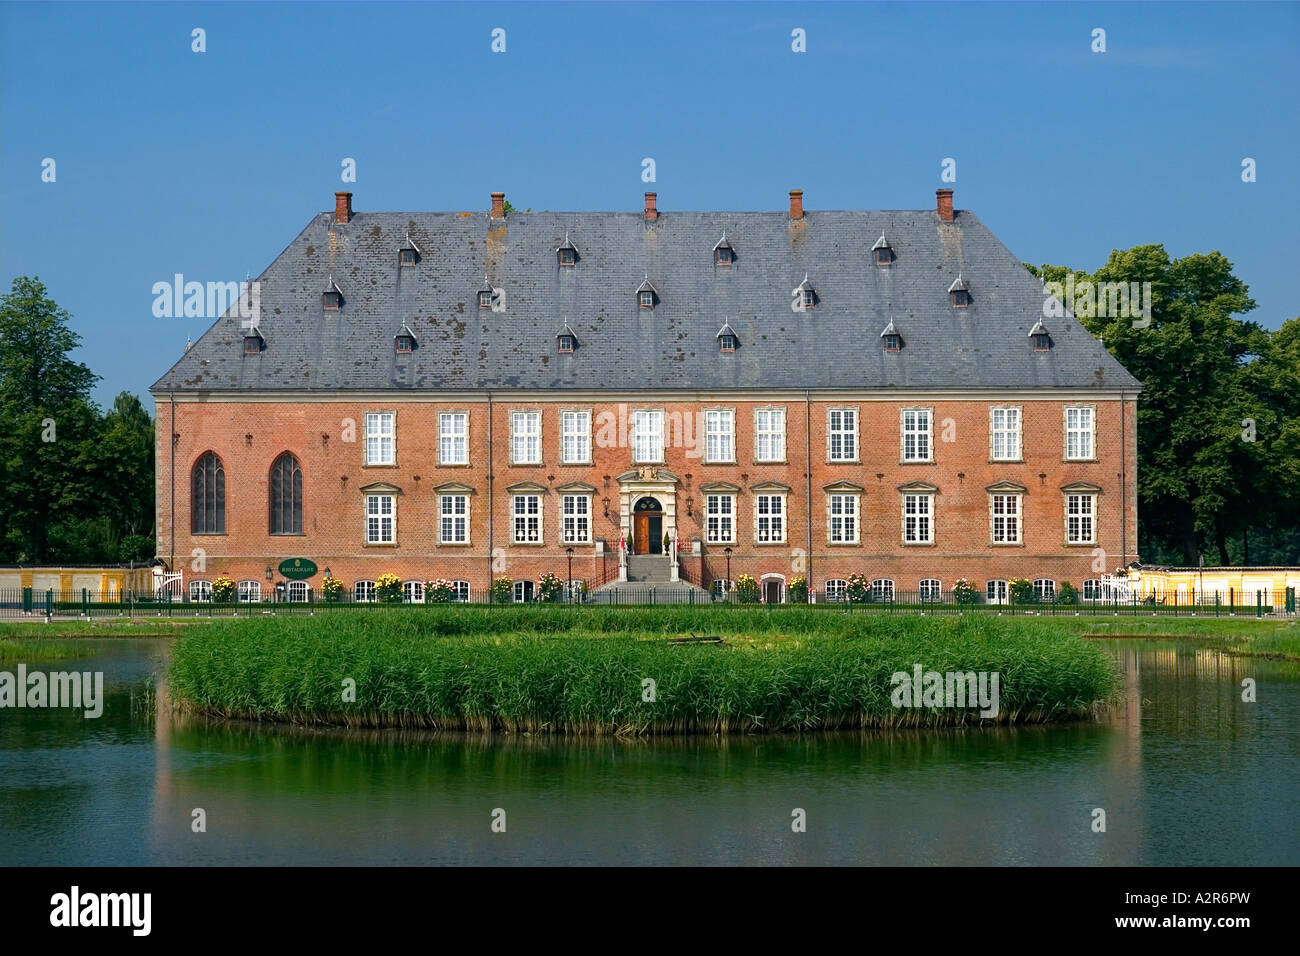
<point x="296" y="568"/>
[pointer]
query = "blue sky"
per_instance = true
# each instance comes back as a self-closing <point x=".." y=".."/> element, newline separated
<point x="208" y="164"/>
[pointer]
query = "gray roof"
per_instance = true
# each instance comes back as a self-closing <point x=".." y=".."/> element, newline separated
<point x="672" y="346"/>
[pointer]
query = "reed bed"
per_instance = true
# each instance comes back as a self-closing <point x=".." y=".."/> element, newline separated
<point x="499" y="670"/>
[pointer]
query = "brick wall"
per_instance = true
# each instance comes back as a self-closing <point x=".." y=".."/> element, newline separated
<point x="248" y="436"/>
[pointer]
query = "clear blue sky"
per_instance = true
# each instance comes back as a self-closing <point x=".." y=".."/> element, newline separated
<point x="209" y="164"/>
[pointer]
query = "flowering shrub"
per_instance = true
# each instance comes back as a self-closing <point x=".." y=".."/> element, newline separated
<point x="1022" y="592"/>
<point x="388" y="589"/>
<point x="332" y="589"/>
<point x="1067" y="594"/>
<point x="746" y="589"/>
<point x="965" y="592"/>
<point x="858" y="589"/>
<point x="223" y="590"/>
<point x="440" y="591"/>
<point x="796" y="592"/>
<point x="502" y="591"/>
<point x="549" y="587"/>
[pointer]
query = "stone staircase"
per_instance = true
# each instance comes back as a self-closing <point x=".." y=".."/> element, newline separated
<point x="647" y="583"/>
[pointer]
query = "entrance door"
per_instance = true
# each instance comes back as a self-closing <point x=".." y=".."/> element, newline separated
<point x="772" y="591"/>
<point x="648" y="527"/>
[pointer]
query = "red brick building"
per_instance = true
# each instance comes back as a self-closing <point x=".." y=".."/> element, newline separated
<point x="797" y="394"/>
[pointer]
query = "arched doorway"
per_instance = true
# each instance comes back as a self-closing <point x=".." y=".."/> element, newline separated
<point x="647" y="526"/>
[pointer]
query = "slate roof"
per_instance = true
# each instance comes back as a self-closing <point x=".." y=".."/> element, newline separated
<point x="672" y="346"/>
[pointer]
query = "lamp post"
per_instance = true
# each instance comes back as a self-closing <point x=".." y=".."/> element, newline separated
<point x="728" y="553"/>
<point x="569" y="552"/>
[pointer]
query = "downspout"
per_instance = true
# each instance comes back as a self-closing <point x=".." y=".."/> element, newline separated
<point x="807" y="473"/>
<point x="171" y="444"/>
<point x="490" y="499"/>
<point x="1123" y="477"/>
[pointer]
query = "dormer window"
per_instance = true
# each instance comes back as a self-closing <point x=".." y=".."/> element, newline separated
<point x="567" y="339"/>
<point x="804" y="296"/>
<point x="409" y="254"/>
<point x="646" y="295"/>
<point x="567" y="253"/>
<point x="891" y="337"/>
<point x="727" y="338"/>
<point x="882" y="251"/>
<point x="485" y="299"/>
<point x="332" y="300"/>
<point x="253" y="342"/>
<point x="404" y="340"/>
<point x="723" y="254"/>
<point x="1040" y="337"/>
<point x="959" y="293"/>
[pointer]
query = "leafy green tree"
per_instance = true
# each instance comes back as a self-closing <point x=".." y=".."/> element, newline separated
<point x="49" y="428"/>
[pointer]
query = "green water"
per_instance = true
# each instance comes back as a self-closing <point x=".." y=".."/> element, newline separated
<point x="1187" y="774"/>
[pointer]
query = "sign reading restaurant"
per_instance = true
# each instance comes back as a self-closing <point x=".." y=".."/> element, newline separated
<point x="296" y="568"/>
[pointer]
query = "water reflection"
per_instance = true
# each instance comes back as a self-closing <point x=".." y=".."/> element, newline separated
<point x="1186" y="772"/>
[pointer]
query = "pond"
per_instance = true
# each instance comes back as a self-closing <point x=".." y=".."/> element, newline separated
<point x="1187" y="773"/>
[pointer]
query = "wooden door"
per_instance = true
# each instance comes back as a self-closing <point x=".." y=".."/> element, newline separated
<point x="648" y="533"/>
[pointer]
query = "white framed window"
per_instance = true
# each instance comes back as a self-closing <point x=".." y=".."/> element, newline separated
<point x="1080" y="519"/>
<point x="380" y="519"/>
<point x="1045" y="589"/>
<point x="577" y="519"/>
<point x="249" y="592"/>
<point x="1092" y="589"/>
<point x="719" y="435"/>
<point x="523" y="591"/>
<point x="201" y="591"/>
<point x="363" y="592"/>
<point x="843" y="513"/>
<point x="769" y="434"/>
<point x="648" y="435"/>
<point x="1080" y="432"/>
<point x="720" y="512"/>
<point x="528" y="519"/>
<point x="460" y="591"/>
<point x="1004" y="518"/>
<point x="297" y="592"/>
<point x="916" y="434"/>
<point x="918" y="518"/>
<point x="575" y="437"/>
<point x="931" y="589"/>
<point x="381" y="438"/>
<point x="453" y="438"/>
<point x="995" y="592"/>
<point x="842" y="434"/>
<point x="720" y="588"/>
<point x="453" y="519"/>
<point x="1004" y="434"/>
<point x="412" y="592"/>
<point x="837" y="590"/>
<point x="525" y="438"/>
<point x="882" y="589"/>
<point x="769" y="518"/>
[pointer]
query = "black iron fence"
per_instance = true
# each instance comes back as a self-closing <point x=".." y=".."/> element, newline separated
<point x="28" y="603"/>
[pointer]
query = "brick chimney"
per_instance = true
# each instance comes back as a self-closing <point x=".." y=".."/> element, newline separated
<point x="651" y="205"/>
<point x="943" y="204"/>
<point x="796" y="204"/>
<point x="498" y="205"/>
<point x="342" y="207"/>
